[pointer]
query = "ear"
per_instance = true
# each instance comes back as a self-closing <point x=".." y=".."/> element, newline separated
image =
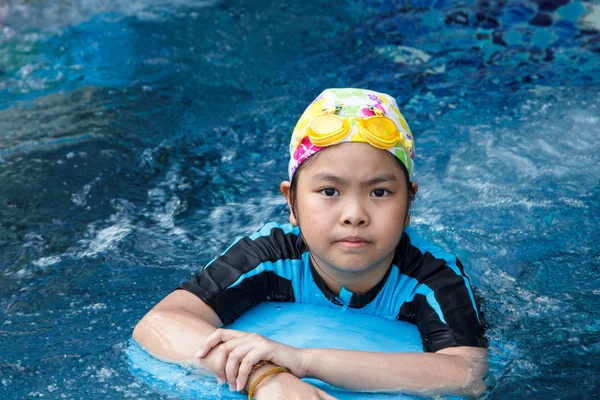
<point x="285" y="191"/>
<point x="415" y="187"/>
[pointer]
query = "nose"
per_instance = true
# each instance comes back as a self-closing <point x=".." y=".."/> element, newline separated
<point x="354" y="214"/>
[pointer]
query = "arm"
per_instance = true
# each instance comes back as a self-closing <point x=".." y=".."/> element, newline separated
<point x="228" y="286"/>
<point x="452" y="328"/>
<point x="176" y="327"/>
<point x="458" y="370"/>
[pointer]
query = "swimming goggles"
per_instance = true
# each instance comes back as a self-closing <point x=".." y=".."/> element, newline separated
<point x="377" y="130"/>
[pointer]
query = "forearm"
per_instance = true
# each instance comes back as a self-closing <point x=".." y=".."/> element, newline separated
<point x="173" y="336"/>
<point x="421" y="373"/>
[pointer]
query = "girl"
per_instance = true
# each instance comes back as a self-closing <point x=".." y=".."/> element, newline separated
<point x="348" y="244"/>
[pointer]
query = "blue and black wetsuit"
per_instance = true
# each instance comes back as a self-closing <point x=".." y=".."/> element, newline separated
<point x="424" y="285"/>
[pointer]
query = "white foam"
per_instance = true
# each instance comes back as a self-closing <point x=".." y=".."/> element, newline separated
<point x="108" y="238"/>
<point x="591" y="18"/>
<point x="47" y="261"/>
<point x="406" y="55"/>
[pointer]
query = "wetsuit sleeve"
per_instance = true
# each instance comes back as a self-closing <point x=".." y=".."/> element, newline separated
<point x="253" y="269"/>
<point x="444" y="307"/>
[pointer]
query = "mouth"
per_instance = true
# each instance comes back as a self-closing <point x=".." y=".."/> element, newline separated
<point x="353" y="242"/>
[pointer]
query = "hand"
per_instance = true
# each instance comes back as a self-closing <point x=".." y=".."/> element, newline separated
<point x="288" y="387"/>
<point x="215" y="362"/>
<point x="243" y="350"/>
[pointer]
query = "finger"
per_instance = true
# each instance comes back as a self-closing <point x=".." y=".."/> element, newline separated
<point x="328" y="397"/>
<point x="325" y="396"/>
<point x="238" y="344"/>
<point x="218" y="336"/>
<point x="233" y="344"/>
<point x="231" y="368"/>
<point x="218" y="366"/>
<point x="209" y="342"/>
<point x="251" y="358"/>
<point x="236" y="357"/>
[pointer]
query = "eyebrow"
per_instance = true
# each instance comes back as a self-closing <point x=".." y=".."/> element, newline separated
<point x="324" y="176"/>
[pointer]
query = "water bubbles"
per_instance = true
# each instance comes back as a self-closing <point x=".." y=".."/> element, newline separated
<point x="157" y="194"/>
<point x="106" y="373"/>
<point x="95" y="307"/>
<point x="79" y="198"/>
<point x="25" y="71"/>
<point x="166" y="218"/>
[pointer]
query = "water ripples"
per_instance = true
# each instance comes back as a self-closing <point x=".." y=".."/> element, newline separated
<point x="139" y="139"/>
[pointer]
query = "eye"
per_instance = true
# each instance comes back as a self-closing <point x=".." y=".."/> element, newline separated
<point x="380" y="193"/>
<point x="329" y="192"/>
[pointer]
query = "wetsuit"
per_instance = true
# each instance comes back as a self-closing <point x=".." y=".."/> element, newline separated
<point x="424" y="285"/>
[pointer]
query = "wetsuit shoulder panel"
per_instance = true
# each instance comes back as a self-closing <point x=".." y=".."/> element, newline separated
<point x="251" y="270"/>
<point x="444" y="306"/>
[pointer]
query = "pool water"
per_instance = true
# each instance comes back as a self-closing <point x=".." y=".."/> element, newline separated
<point x="138" y="139"/>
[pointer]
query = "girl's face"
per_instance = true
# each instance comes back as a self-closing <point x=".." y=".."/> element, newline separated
<point x="351" y="206"/>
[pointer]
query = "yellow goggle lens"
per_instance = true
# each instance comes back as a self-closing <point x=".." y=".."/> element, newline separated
<point x="326" y="130"/>
<point x="381" y="132"/>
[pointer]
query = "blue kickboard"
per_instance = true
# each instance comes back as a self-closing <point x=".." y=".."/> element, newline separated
<point x="298" y="325"/>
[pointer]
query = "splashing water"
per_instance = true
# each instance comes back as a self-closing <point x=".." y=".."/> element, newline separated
<point x="140" y="138"/>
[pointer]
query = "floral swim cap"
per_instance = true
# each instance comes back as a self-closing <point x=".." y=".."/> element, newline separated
<point x="355" y="106"/>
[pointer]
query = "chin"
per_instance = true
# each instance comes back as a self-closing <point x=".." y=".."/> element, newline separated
<point x="353" y="267"/>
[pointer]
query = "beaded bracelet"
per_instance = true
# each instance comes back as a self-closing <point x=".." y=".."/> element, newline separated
<point x="261" y="378"/>
<point x="254" y="369"/>
<point x="258" y="365"/>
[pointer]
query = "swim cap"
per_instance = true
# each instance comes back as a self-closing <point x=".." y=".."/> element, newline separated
<point x="354" y="115"/>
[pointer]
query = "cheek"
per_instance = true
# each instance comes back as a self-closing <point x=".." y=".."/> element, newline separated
<point x="392" y="218"/>
<point x="313" y="210"/>
<point x="316" y="223"/>
<point x="314" y="235"/>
